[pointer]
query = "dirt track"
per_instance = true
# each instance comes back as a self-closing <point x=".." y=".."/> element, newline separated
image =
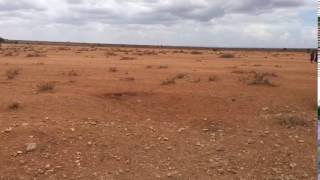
<point x="127" y="113"/>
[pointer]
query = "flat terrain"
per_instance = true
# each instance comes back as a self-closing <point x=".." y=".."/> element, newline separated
<point x="76" y="112"/>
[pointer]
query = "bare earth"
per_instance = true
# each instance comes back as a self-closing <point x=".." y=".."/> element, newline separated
<point x="138" y="113"/>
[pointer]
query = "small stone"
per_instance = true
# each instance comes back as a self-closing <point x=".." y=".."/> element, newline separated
<point x="181" y="129"/>
<point x="19" y="152"/>
<point x="31" y="147"/>
<point x="8" y="130"/>
<point x="293" y="165"/>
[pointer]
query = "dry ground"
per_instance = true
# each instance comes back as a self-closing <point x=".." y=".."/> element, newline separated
<point x="129" y="113"/>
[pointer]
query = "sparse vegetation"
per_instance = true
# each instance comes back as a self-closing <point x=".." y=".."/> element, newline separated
<point x="196" y="52"/>
<point x="72" y="73"/>
<point x="127" y="58"/>
<point x="113" y="69"/>
<point x="8" y="54"/>
<point x="163" y="67"/>
<point x="129" y="78"/>
<point x="227" y="55"/>
<point x="212" y="78"/>
<point x="261" y="79"/>
<point x="12" y="73"/>
<point x="290" y="120"/>
<point x="14" y="105"/>
<point x="46" y="87"/>
<point x="169" y="81"/>
<point x="257" y="65"/>
<point x="180" y="76"/>
<point x="35" y="55"/>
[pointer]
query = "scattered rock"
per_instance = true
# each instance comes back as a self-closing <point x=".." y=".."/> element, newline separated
<point x="31" y="147"/>
<point x="8" y="130"/>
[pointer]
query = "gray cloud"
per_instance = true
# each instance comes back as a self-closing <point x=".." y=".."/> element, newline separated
<point x="182" y="22"/>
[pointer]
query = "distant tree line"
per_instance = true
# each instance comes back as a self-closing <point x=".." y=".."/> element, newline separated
<point x="2" y="40"/>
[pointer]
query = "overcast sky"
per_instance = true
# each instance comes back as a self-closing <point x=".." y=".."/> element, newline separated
<point x="223" y="23"/>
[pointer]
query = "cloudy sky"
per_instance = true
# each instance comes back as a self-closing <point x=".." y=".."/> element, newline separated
<point x="223" y="23"/>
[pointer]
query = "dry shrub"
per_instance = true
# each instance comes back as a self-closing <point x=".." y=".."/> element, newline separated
<point x="113" y="69"/>
<point x="227" y="55"/>
<point x="180" y="76"/>
<point x="291" y="120"/>
<point x="72" y="73"/>
<point x="238" y="71"/>
<point x="257" y="65"/>
<point x="128" y="79"/>
<point x="163" y="67"/>
<point x="196" y="52"/>
<point x="46" y="87"/>
<point x="111" y="54"/>
<point x="150" y="53"/>
<point x="262" y="79"/>
<point x="39" y="63"/>
<point x="64" y="48"/>
<point x="35" y="55"/>
<point x="179" y="51"/>
<point x="127" y="58"/>
<point x="162" y="52"/>
<point x="12" y="73"/>
<point x="8" y="54"/>
<point x="169" y="81"/>
<point x="14" y="105"/>
<point x="212" y="78"/>
<point x="149" y="67"/>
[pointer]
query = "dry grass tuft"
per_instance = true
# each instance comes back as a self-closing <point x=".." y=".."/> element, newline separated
<point x="111" y="54"/>
<point x="163" y="67"/>
<point x="12" y="73"/>
<point x="196" y="52"/>
<point x="8" y="54"/>
<point x="72" y="73"/>
<point x="128" y="79"/>
<point x="180" y="76"/>
<point x="262" y="79"/>
<point x="227" y="55"/>
<point x="35" y="55"/>
<point x="46" y="87"/>
<point x="290" y="120"/>
<point x="149" y="67"/>
<point x="127" y="58"/>
<point x="169" y="81"/>
<point x="14" y="105"/>
<point x="113" y="69"/>
<point x="212" y="78"/>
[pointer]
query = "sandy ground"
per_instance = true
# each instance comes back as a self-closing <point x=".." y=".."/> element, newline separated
<point x="128" y="113"/>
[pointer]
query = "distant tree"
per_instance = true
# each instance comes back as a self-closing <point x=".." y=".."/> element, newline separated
<point x="2" y="40"/>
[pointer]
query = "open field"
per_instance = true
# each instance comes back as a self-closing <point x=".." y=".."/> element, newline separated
<point x="77" y="112"/>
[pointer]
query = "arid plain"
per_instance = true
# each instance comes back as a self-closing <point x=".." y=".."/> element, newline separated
<point x="90" y="112"/>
